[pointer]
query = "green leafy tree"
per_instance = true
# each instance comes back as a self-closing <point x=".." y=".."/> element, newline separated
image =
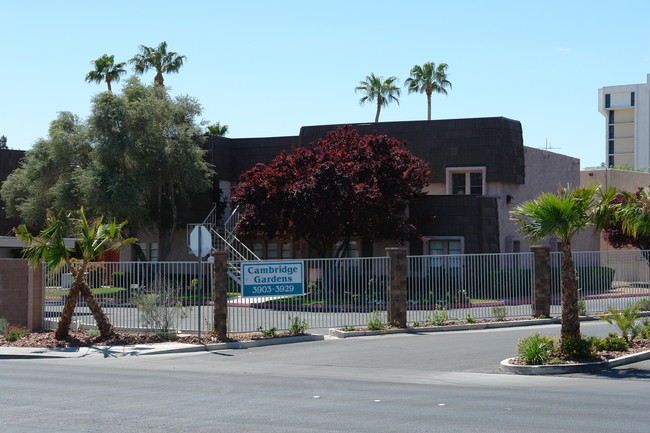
<point x="562" y="215"/>
<point x="217" y="129"/>
<point x="138" y="157"/>
<point x="51" y="176"/>
<point x="106" y="70"/>
<point x="3" y="143"/>
<point x="158" y="59"/>
<point x="148" y="159"/>
<point x="93" y="238"/>
<point x="428" y="79"/>
<point x="377" y="89"/>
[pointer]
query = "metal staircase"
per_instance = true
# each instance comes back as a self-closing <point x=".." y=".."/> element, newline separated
<point x="225" y="239"/>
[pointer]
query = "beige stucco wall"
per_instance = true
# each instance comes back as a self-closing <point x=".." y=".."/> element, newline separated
<point x="623" y="180"/>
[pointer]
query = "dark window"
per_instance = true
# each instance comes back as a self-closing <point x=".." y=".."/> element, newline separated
<point x="611" y="116"/>
<point x="476" y="183"/>
<point x="607" y="100"/>
<point x="611" y="146"/>
<point x="458" y="183"/>
<point x="611" y="161"/>
<point x="632" y="99"/>
<point x="611" y="131"/>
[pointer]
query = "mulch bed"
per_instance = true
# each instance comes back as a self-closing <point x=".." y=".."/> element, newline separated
<point x="45" y="339"/>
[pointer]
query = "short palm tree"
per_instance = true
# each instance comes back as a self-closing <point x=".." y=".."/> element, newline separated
<point x="159" y="59"/>
<point x="561" y="215"/>
<point x="380" y="90"/>
<point x="217" y="129"/>
<point x="428" y="79"/>
<point x="106" y="70"/>
<point x="93" y="238"/>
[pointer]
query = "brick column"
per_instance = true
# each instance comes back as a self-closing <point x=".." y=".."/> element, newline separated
<point x="220" y="294"/>
<point x="35" y="297"/>
<point x="397" y="303"/>
<point x="542" y="281"/>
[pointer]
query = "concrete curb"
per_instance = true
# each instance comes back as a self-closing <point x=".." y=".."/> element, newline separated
<point x="446" y="328"/>
<point x="573" y="368"/>
<point x="145" y="349"/>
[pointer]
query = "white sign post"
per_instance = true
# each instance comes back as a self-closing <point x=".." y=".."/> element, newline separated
<point x="200" y="245"/>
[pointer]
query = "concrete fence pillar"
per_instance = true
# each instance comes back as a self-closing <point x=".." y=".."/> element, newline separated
<point x="220" y="294"/>
<point x="397" y="303"/>
<point x="542" y="281"/>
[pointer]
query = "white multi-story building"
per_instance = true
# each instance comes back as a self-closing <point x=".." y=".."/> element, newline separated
<point x="627" y="112"/>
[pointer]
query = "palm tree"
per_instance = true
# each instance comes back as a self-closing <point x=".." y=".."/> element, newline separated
<point x="428" y="79"/>
<point x="561" y="215"/>
<point x="376" y="89"/>
<point x="217" y="129"/>
<point x="106" y="70"/>
<point x="159" y="59"/>
<point x="93" y="238"/>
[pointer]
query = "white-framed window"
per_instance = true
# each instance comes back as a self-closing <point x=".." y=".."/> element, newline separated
<point x="272" y="250"/>
<point x="444" y="246"/>
<point x="466" y="181"/>
<point x="153" y="251"/>
<point x="287" y="250"/>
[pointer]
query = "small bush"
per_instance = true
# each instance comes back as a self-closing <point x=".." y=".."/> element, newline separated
<point x="16" y="332"/>
<point x="625" y="320"/>
<point x="535" y="349"/>
<point x="576" y="347"/>
<point x="375" y="322"/>
<point x="438" y="317"/>
<point x="499" y="313"/>
<point x="4" y="325"/>
<point x="644" y="304"/>
<point x="613" y="343"/>
<point x="348" y="328"/>
<point x="297" y="326"/>
<point x="470" y="319"/>
<point x="94" y="333"/>
<point x="582" y="307"/>
<point x="267" y="332"/>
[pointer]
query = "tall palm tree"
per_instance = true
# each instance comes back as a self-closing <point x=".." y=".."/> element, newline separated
<point x="159" y="59"/>
<point x="428" y="79"/>
<point x="380" y="90"/>
<point x="217" y="129"/>
<point x="106" y="70"/>
<point x="93" y="238"/>
<point x="561" y="215"/>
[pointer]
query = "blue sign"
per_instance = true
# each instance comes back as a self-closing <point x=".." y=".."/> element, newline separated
<point x="262" y="278"/>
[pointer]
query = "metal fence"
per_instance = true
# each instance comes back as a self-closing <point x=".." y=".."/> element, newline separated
<point x="338" y="293"/>
<point x="137" y="296"/>
<point x="482" y="286"/>
<point x="605" y="279"/>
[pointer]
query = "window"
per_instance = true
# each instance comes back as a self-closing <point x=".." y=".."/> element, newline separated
<point x="443" y="246"/>
<point x="466" y="180"/>
<point x="632" y="99"/>
<point x="153" y="251"/>
<point x="272" y="251"/>
<point x="258" y="249"/>
<point x="608" y="100"/>
<point x="611" y="116"/>
<point x="287" y="251"/>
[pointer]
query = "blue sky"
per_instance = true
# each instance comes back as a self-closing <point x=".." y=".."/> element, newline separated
<point x="268" y="68"/>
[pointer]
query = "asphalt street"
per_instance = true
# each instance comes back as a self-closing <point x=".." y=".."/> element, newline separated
<point x="438" y="382"/>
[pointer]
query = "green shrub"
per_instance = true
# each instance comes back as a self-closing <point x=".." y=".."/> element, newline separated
<point x="437" y="317"/>
<point x="470" y="319"/>
<point x="499" y="313"/>
<point x="645" y="330"/>
<point x="267" y="332"/>
<point x="297" y="326"/>
<point x="375" y="322"/>
<point x="535" y="349"/>
<point x="16" y="332"/>
<point x="576" y="347"/>
<point x="643" y="304"/>
<point x="625" y="320"/>
<point x="4" y="325"/>
<point x="613" y="343"/>
<point x="582" y="307"/>
<point x="348" y="328"/>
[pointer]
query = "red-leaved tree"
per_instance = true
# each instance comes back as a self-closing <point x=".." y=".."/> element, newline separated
<point x="341" y="187"/>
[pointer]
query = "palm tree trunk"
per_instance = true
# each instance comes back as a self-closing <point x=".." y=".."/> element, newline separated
<point x="105" y="328"/>
<point x="378" y="110"/>
<point x="570" y="316"/>
<point x="158" y="79"/>
<point x="428" y="106"/>
<point x="63" y="327"/>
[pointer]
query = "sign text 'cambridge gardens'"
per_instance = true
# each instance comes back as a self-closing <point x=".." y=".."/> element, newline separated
<point x="261" y="278"/>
